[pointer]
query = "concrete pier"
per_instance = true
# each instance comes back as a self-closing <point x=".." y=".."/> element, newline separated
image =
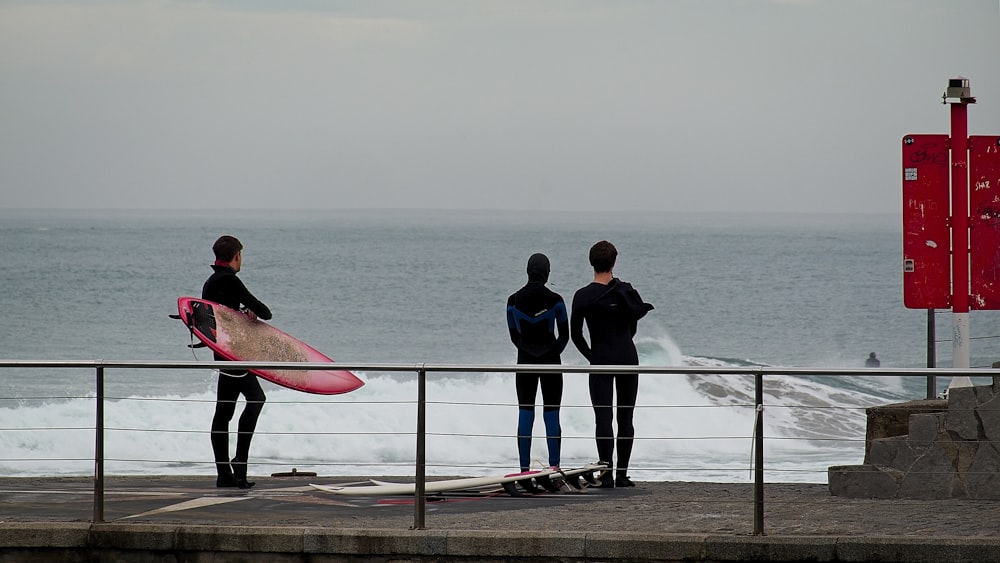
<point x="283" y="519"/>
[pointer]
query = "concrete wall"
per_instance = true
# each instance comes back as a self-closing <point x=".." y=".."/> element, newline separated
<point x="149" y="543"/>
<point x="954" y="453"/>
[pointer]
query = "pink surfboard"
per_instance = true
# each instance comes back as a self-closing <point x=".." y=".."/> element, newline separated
<point x="235" y="337"/>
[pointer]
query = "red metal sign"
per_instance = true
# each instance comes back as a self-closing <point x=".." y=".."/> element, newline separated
<point x="926" y="232"/>
<point x="984" y="221"/>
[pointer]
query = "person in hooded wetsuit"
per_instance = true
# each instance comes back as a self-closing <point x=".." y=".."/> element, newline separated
<point x="611" y="310"/>
<point x="872" y="361"/>
<point x="225" y="288"/>
<point x="534" y="313"/>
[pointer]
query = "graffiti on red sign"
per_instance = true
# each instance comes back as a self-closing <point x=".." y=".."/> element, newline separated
<point x="925" y="156"/>
<point x="984" y="227"/>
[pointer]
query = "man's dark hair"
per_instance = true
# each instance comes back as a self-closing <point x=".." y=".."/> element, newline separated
<point x="602" y="256"/>
<point x="226" y="248"/>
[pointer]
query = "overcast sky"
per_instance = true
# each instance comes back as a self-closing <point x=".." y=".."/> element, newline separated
<point x="739" y="105"/>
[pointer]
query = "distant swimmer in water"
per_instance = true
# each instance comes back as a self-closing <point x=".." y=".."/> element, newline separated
<point x="872" y="361"/>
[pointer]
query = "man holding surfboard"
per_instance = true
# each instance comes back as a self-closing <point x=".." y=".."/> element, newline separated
<point x="225" y="288"/>
<point x="611" y="309"/>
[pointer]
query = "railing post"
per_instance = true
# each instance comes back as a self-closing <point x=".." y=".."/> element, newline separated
<point x="931" y="354"/>
<point x="99" y="450"/>
<point x="758" y="448"/>
<point x="420" y="499"/>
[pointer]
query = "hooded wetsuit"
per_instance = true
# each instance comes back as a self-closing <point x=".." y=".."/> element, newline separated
<point x="225" y="288"/>
<point x="534" y="313"/>
<point x="612" y="313"/>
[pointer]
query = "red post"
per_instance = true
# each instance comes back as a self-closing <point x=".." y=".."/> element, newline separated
<point x="960" y="208"/>
<point x="959" y="95"/>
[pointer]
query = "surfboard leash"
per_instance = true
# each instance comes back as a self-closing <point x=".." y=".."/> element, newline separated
<point x="193" y="345"/>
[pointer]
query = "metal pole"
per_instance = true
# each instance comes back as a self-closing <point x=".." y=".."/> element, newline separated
<point x="99" y="450"/>
<point x="758" y="447"/>
<point x="420" y="498"/>
<point x="931" y="354"/>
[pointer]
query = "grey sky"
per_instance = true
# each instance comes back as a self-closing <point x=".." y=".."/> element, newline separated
<point x="739" y="105"/>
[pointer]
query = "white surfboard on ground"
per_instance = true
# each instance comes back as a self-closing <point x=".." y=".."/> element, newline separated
<point x="378" y="488"/>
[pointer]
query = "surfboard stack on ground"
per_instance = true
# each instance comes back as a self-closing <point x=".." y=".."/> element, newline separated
<point x="515" y="484"/>
<point x="235" y="337"/>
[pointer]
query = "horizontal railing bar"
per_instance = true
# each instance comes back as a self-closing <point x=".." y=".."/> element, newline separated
<point x="502" y="368"/>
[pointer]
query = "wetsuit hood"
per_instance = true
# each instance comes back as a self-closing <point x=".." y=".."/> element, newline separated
<point x="629" y="297"/>
<point x="538" y="268"/>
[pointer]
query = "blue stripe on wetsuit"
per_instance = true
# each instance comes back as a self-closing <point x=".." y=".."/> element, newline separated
<point x="557" y="313"/>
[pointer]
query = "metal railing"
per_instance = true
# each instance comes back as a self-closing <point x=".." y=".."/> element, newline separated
<point x="421" y="370"/>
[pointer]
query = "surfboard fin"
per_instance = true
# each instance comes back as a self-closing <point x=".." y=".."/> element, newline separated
<point x="529" y="486"/>
<point x="548" y="484"/>
<point x="591" y="477"/>
<point x="511" y="489"/>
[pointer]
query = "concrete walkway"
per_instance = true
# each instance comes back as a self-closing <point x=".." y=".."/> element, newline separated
<point x="175" y="518"/>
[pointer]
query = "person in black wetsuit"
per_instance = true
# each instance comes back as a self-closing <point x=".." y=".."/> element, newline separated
<point x="534" y="313"/>
<point x="611" y="310"/>
<point x="872" y="361"/>
<point x="225" y="288"/>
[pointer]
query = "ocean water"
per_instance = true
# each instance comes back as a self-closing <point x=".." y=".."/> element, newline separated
<point x="423" y="286"/>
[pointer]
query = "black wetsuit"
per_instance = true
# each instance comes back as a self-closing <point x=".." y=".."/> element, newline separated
<point x="225" y="288"/>
<point x="533" y="315"/>
<point x="612" y="313"/>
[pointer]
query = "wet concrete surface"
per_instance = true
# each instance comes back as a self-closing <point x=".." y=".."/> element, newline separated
<point x="650" y="507"/>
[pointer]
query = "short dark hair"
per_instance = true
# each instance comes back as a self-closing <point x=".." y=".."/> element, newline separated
<point x="226" y="247"/>
<point x="602" y="256"/>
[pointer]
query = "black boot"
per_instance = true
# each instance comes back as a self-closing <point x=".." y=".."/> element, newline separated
<point x="225" y="478"/>
<point x="240" y="474"/>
